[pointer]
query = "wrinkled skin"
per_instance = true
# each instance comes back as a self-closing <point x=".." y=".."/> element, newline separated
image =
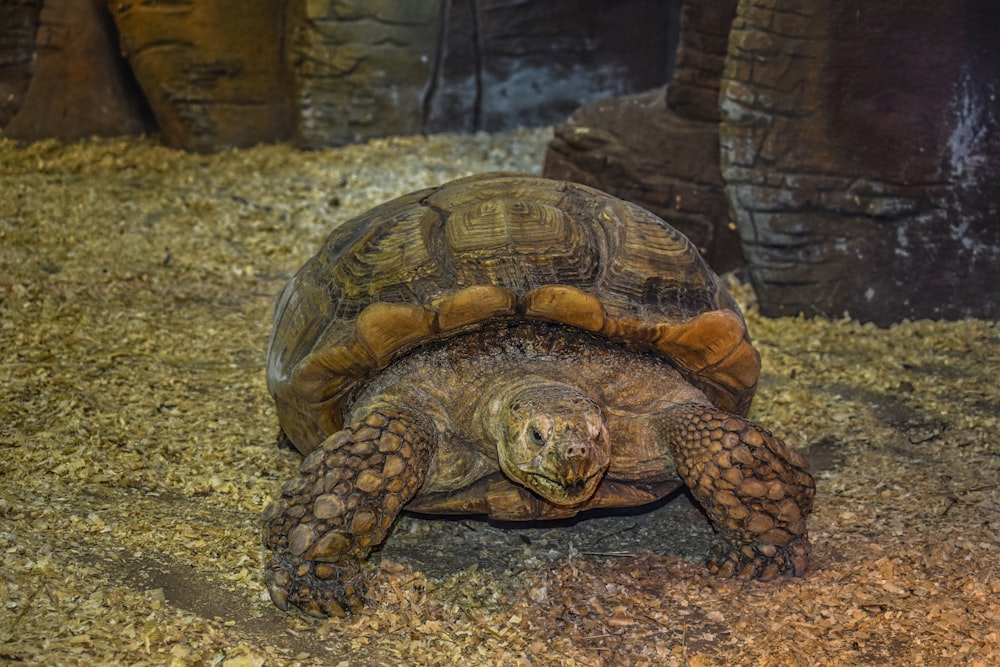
<point x="550" y="438"/>
<point x="520" y="424"/>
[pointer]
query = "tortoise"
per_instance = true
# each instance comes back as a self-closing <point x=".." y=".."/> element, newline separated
<point x="522" y="348"/>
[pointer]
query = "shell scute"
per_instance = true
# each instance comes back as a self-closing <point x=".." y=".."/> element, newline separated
<point x="702" y="341"/>
<point x="327" y="370"/>
<point x="566" y="305"/>
<point x="457" y="258"/>
<point x="387" y="328"/>
<point x="518" y="243"/>
<point x="389" y="262"/>
<point x="474" y="304"/>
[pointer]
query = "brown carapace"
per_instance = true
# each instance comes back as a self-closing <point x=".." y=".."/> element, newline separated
<point x="523" y="348"/>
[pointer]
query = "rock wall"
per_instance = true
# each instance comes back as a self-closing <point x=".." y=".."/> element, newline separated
<point x="360" y="67"/>
<point x="367" y="69"/>
<point x="222" y="73"/>
<point x="694" y="89"/>
<point x="18" y="26"/>
<point x="214" y="73"/>
<point x="65" y="78"/>
<point x="861" y="155"/>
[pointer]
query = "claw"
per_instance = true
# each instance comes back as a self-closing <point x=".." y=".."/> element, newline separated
<point x="761" y="562"/>
<point x="319" y="597"/>
<point x="311" y="608"/>
<point x="333" y="608"/>
<point x="278" y="583"/>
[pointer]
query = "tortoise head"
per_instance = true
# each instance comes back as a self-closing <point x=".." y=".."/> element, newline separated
<point x="550" y="438"/>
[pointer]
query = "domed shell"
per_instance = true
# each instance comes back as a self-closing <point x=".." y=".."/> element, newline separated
<point x="457" y="258"/>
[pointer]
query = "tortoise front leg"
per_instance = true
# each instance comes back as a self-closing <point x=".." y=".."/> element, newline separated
<point x="327" y="522"/>
<point x="756" y="490"/>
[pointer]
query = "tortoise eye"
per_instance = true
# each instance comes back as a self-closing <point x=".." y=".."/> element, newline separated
<point x="536" y="436"/>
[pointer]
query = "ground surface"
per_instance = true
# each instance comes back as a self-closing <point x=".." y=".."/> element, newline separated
<point x="137" y="452"/>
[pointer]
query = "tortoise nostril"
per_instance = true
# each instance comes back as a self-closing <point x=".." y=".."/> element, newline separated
<point x="577" y="450"/>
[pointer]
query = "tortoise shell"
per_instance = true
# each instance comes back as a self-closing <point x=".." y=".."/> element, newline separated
<point x="476" y="251"/>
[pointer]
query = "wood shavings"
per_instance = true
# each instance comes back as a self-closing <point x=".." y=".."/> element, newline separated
<point x="137" y="450"/>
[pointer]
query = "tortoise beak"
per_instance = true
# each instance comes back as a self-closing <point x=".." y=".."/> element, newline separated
<point x="567" y="473"/>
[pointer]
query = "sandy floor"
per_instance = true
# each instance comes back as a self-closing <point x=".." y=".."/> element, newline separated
<point x="137" y="452"/>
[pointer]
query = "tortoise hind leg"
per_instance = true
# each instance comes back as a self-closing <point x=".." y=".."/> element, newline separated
<point x="756" y="491"/>
<point x="327" y="522"/>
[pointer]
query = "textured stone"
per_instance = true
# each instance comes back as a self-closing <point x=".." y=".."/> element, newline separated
<point x="370" y="69"/>
<point x="80" y="86"/>
<point x="18" y="26"/>
<point x="214" y="73"/>
<point x="694" y="89"/>
<point x="660" y="149"/>
<point x="860" y="144"/>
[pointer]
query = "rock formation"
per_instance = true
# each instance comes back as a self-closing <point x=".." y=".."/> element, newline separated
<point x="77" y="84"/>
<point x="18" y="26"/>
<point x="221" y="73"/>
<point x="213" y="72"/>
<point x="662" y="151"/>
<point x="861" y="154"/>
<point x="367" y="69"/>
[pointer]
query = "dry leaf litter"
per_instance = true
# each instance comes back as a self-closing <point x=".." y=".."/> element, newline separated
<point x="137" y="452"/>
